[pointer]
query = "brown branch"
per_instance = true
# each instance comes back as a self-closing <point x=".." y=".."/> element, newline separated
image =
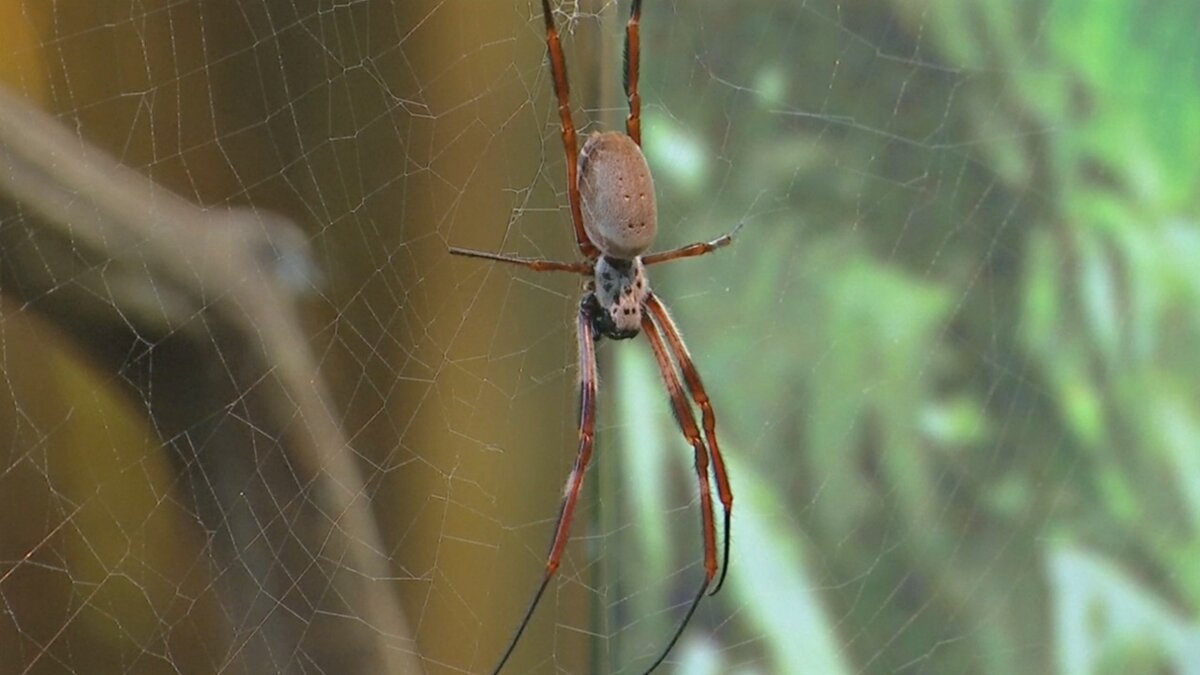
<point x="195" y="311"/>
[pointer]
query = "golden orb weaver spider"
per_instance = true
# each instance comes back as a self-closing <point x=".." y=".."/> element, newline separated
<point x="613" y="210"/>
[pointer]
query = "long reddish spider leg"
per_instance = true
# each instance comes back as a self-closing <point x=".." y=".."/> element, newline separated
<point x="633" y="123"/>
<point x="687" y="424"/>
<point x="692" y="250"/>
<point x="587" y="426"/>
<point x="535" y="264"/>
<point x="558" y="65"/>
<point x="708" y="418"/>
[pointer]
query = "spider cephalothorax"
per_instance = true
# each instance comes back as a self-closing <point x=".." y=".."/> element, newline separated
<point x="613" y="211"/>
<point x="619" y="295"/>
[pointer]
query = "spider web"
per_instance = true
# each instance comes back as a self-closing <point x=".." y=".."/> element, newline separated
<point x="951" y="352"/>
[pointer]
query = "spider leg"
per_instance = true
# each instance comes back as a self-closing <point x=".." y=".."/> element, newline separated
<point x="687" y="424"/>
<point x="633" y="123"/>
<point x="692" y="250"/>
<point x="587" y="425"/>
<point x="535" y="264"/>
<point x="558" y="65"/>
<point x="708" y="418"/>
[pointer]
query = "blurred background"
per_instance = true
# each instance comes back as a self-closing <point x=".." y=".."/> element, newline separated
<point x="952" y="352"/>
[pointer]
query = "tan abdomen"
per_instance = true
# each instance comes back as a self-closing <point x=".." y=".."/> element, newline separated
<point x="617" y="195"/>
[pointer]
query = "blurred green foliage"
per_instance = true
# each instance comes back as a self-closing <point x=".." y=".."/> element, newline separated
<point x="953" y="351"/>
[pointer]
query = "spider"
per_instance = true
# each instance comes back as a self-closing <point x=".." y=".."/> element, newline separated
<point x="613" y="210"/>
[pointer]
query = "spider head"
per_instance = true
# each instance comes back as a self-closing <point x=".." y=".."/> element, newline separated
<point x="620" y="291"/>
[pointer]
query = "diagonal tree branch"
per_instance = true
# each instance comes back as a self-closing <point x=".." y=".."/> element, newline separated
<point x="195" y="311"/>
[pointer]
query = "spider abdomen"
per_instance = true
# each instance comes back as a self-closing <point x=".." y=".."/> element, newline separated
<point x="616" y="195"/>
